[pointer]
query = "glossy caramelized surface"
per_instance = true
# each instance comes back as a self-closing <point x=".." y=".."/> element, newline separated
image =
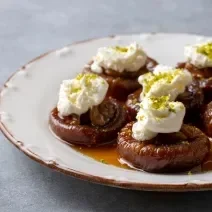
<point x="98" y="126"/>
<point x="109" y="155"/>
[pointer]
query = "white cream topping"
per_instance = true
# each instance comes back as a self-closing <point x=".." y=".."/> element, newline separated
<point x="198" y="54"/>
<point x="140" y="131"/>
<point x="129" y="58"/>
<point x="158" y="115"/>
<point x="160" y="68"/>
<point x="77" y="95"/>
<point x="164" y="81"/>
<point x="158" y="112"/>
<point x="96" y="68"/>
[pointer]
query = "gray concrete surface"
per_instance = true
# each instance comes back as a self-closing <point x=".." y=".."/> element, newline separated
<point x="29" y="28"/>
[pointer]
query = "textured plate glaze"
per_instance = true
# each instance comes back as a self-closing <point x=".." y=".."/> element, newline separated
<point x="28" y="96"/>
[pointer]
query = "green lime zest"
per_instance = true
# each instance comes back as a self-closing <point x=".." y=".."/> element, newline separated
<point x="206" y="50"/>
<point x="150" y="78"/>
<point x="171" y="108"/>
<point x="75" y="90"/>
<point x="159" y="102"/>
<point x="80" y="76"/>
<point x="88" y="78"/>
<point x="120" y="49"/>
<point x="103" y="161"/>
<point x="140" y="118"/>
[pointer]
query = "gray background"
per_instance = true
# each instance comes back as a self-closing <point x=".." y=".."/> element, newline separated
<point x="29" y="28"/>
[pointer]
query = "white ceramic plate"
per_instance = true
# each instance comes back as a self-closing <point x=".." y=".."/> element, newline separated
<point x="28" y="96"/>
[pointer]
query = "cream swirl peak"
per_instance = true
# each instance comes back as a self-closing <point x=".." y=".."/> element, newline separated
<point x="200" y="55"/>
<point x="77" y="95"/>
<point x="158" y="115"/>
<point x="127" y="58"/>
<point x="164" y="81"/>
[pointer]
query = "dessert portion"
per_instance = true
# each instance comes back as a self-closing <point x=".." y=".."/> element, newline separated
<point x="159" y="141"/>
<point x="171" y="78"/>
<point x="198" y="59"/>
<point x="167" y="152"/>
<point x="164" y="80"/>
<point x="199" y="63"/>
<point x="83" y="115"/>
<point x="193" y="99"/>
<point x="121" y="67"/>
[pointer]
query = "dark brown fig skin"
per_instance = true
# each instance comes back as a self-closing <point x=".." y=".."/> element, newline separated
<point x="125" y="83"/>
<point x="206" y="85"/>
<point x="204" y="75"/>
<point x="80" y="130"/>
<point x="171" y="152"/>
<point x="193" y="100"/>
<point x="196" y="72"/>
<point x="207" y="119"/>
<point x="132" y="104"/>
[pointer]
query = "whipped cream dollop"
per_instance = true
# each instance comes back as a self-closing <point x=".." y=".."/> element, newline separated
<point x="128" y="58"/>
<point x="157" y="115"/>
<point x="200" y="55"/>
<point x="78" y="95"/>
<point x="163" y="81"/>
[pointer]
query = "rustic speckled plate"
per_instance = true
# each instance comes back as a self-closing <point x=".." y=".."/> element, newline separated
<point x="28" y="96"/>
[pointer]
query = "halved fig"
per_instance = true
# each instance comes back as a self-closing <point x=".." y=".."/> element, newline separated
<point x="207" y="119"/>
<point x="170" y="152"/>
<point x="98" y="126"/>
<point x="125" y="83"/>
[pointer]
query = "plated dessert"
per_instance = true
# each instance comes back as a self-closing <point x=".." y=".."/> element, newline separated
<point x="153" y="117"/>
<point x="29" y="101"/>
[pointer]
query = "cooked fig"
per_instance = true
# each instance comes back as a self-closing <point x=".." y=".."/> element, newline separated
<point x="170" y="152"/>
<point x="193" y="99"/>
<point x="87" y="129"/>
<point x="196" y="72"/>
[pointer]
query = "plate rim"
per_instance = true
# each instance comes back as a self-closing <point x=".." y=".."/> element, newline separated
<point x="179" y="187"/>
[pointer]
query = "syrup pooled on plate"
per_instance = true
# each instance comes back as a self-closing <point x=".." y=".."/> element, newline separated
<point x="105" y="154"/>
<point x="108" y="155"/>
